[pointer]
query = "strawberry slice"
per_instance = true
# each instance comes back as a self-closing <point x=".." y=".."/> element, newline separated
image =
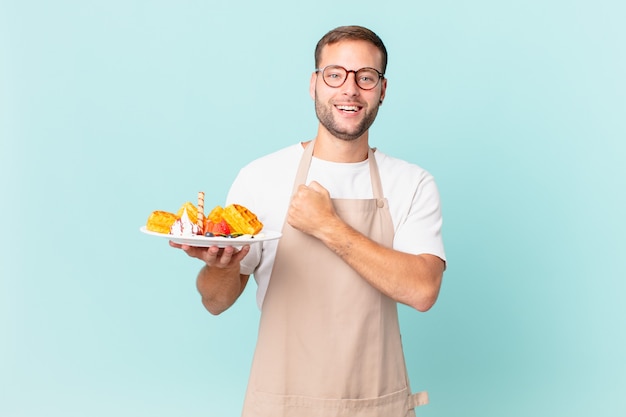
<point x="221" y="228"/>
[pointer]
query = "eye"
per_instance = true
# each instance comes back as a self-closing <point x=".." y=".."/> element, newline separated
<point x="334" y="74"/>
<point x="368" y="75"/>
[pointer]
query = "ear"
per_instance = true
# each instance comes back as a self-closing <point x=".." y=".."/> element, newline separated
<point x="383" y="90"/>
<point x="312" y="85"/>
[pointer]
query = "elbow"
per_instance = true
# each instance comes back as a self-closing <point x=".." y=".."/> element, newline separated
<point x="215" y="312"/>
<point x="425" y="301"/>
<point x="421" y="301"/>
<point x="423" y="304"/>
<point x="425" y="295"/>
<point x="214" y="308"/>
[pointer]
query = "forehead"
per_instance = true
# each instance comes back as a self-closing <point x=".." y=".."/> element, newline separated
<point x="351" y="54"/>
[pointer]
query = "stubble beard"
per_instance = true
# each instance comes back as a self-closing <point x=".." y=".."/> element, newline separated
<point x="325" y="117"/>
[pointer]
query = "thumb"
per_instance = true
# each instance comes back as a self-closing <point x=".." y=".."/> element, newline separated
<point x="316" y="186"/>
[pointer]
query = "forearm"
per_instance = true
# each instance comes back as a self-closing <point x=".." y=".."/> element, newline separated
<point x="413" y="280"/>
<point x="219" y="282"/>
<point x="220" y="287"/>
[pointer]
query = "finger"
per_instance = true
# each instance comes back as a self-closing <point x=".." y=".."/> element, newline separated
<point x="316" y="186"/>
<point x="189" y="250"/>
<point x="243" y="251"/>
<point x="301" y="196"/>
<point x="231" y="256"/>
<point x="210" y="255"/>
<point x="205" y="254"/>
<point x="227" y="255"/>
<point x="302" y="189"/>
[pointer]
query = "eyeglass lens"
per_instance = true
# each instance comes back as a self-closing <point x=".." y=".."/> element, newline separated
<point x="335" y="76"/>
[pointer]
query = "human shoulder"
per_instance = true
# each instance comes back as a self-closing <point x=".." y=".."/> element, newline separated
<point x="289" y="155"/>
<point x="395" y="168"/>
<point x="415" y="205"/>
<point x="267" y="173"/>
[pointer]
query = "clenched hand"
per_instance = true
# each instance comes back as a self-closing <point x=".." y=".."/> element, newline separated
<point x="311" y="209"/>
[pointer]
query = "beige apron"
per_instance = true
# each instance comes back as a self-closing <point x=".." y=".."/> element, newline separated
<point x="329" y="343"/>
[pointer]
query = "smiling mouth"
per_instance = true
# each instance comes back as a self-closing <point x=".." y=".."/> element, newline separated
<point x="349" y="109"/>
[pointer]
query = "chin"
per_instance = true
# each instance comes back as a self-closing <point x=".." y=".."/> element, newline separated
<point x="346" y="137"/>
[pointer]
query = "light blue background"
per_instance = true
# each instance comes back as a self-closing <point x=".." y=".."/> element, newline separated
<point x="109" y="110"/>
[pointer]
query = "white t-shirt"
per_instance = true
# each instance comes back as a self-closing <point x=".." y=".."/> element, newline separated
<point x="265" y="187"/>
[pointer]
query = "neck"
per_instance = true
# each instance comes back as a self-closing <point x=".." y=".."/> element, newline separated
<point x="330" y="148"/>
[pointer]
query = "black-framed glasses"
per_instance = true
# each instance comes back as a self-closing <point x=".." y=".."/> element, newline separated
<point x="335" y="76"/>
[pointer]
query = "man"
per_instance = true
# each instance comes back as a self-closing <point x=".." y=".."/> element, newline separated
<point x="361" y="232"/>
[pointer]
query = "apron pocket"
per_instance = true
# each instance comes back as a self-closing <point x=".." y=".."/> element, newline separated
<point x="262" y="404"/>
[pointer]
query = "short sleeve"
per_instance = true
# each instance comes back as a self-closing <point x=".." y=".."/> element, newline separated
<point x="419" y="232"/>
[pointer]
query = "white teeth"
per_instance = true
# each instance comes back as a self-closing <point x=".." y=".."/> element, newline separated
<point x="348" y="108"/>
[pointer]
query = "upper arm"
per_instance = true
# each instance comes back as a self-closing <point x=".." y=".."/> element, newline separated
<point x="244" y="281"/>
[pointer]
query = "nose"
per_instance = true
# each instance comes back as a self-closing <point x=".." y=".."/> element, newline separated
<point x="350" y="86"/>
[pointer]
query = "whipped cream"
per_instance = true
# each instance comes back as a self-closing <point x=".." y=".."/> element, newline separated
<point x="184" y="226"/>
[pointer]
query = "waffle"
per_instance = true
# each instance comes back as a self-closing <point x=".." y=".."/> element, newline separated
<point x="192" y="212"/>
<point x="215" y="215"/>
<point x="160" y="221"/>
<point x="241" y="220"/>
